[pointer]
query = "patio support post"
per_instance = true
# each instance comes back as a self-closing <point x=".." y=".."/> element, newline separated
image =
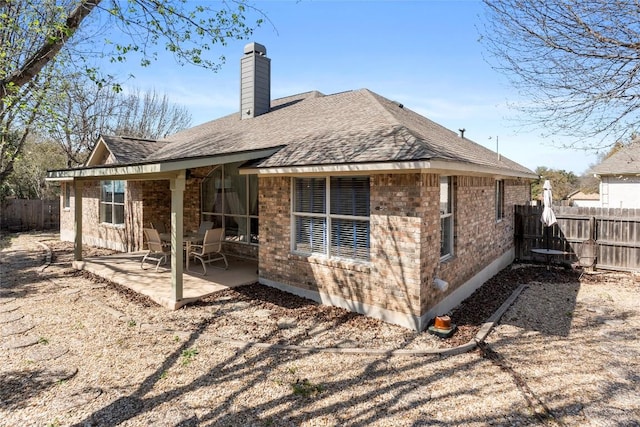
<point x="77" y="220"/>
<point x="177" y="207"/>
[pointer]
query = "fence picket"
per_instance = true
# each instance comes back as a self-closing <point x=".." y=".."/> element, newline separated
<point x="25" y="215"/>
<point x="616" y="232"/>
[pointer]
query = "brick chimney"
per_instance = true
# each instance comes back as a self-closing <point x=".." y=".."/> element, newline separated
<point x="255" y="81"/>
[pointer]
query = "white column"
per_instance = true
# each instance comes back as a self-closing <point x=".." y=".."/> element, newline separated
<point x="177" y="208"/>
<point x="77" y="220"/>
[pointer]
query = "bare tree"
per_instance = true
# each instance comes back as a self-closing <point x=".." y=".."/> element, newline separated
<point x="82" y="110"/>
<point x="576" y="61"/>
<point x="149" y="115"/>
<point x="85" y="110"/>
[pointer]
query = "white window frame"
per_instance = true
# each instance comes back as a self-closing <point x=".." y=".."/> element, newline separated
<point x="444" y="216"/>
<point x="113" y="204"/>
<point x="328" y="218"/>
<point x="499" y="193"/>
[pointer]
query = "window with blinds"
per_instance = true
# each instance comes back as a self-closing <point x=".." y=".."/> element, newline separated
<point x="331" y="217"/>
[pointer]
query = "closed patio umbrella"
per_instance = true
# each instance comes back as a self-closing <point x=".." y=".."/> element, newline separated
<point x="548" y="218"/>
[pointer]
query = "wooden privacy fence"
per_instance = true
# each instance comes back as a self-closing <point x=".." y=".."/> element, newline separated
<point x="26" y="215"/>
<point x="616" y="233"/>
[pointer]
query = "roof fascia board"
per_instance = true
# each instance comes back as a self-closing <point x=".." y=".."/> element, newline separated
<point x="357" y="168"/>
<point x="614" y="174"/>
<point x="430" y="166"/>
<point x="159" y="170"/>
<point x="480" y="170"/>
<point x="117" y="172"/>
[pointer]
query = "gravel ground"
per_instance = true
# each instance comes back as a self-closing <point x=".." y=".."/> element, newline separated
<point x="80" y="351"/>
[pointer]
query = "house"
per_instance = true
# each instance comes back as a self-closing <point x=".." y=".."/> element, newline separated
<point x="348" y="199"/>
<point x="620" y="178"/>
<point x="581" y="199"/>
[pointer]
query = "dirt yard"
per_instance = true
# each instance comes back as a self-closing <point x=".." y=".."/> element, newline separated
<point x="83" y="352"/>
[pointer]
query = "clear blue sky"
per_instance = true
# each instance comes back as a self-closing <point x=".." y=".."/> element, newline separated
<point x="423" y="54"/>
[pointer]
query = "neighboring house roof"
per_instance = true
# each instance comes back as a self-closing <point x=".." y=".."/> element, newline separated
<point x="579" y="195"/>
<point x="348" y="127"/>
<point x="624" y="162"/>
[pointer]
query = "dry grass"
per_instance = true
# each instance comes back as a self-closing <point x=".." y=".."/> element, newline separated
<point x="567" y="352"/>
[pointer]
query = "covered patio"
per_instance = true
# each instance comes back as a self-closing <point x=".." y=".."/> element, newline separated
<point x="124" y="269"/>
<point x="173" y="287"/>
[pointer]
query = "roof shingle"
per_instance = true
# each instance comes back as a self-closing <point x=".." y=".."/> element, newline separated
<point x="624" y="162"/>
<point x="315" y="129"/>
<point x="127" y="150"/>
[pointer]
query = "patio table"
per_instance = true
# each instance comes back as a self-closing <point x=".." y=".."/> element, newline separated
<point x="549" y="254"/>
<point x="188" y="239"/>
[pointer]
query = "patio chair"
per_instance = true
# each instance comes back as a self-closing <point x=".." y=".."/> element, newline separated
<point x="210" y="250"/>
<point x="204" y="226"/>
<point x="159" y="225"/>
<point x="157" y="251"/>
<point x="587" y="257"/>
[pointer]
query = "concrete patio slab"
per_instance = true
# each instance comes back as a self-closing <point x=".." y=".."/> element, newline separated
<point x="124" y="269"/>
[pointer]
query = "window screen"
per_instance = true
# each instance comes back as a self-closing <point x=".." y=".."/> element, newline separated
<point x="341" y="232"/>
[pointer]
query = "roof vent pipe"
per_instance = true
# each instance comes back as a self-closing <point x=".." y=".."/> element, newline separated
<point x="462" y="131"/>
<point x="255" y="81"/>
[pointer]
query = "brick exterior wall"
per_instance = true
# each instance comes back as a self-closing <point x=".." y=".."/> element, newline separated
<point x="404" y="236"/>
<point x="404" y="241"/>
<point x="66" y="215"/>
<point x="125" y="238"/>
<point x="157" y="204"/>
<point x="430" y="241"/>
<point x="397" y="213"/>
<point x="478" y="237"/>
<point x="146" y="202"/>
<point x="275" y="263"/>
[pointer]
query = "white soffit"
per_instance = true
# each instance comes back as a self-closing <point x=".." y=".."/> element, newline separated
<point x="159" y="170"/>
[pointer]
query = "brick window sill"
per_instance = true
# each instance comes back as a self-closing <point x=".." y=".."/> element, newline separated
<point x="332" y="262"/>
<point x="114" y="226"/>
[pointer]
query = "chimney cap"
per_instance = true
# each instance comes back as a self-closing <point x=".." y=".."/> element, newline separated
<point x="255" y="48"/>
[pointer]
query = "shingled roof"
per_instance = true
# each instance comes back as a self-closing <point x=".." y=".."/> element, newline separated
<point x="344" y="128"/>
<point x="624" y="162"/>
<point x="127" y="150"/>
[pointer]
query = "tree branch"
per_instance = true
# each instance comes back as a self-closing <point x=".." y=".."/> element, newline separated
<point x="50" y="47"/>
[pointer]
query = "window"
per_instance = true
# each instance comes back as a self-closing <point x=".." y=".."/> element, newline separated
<point x="230" y="200"/>
<point x="66" y="201"/>
<point x="499" y="200"/>
<point x="446" y="217"/>
<point x="112" y="202"/>
<point x="331" y="217"/>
